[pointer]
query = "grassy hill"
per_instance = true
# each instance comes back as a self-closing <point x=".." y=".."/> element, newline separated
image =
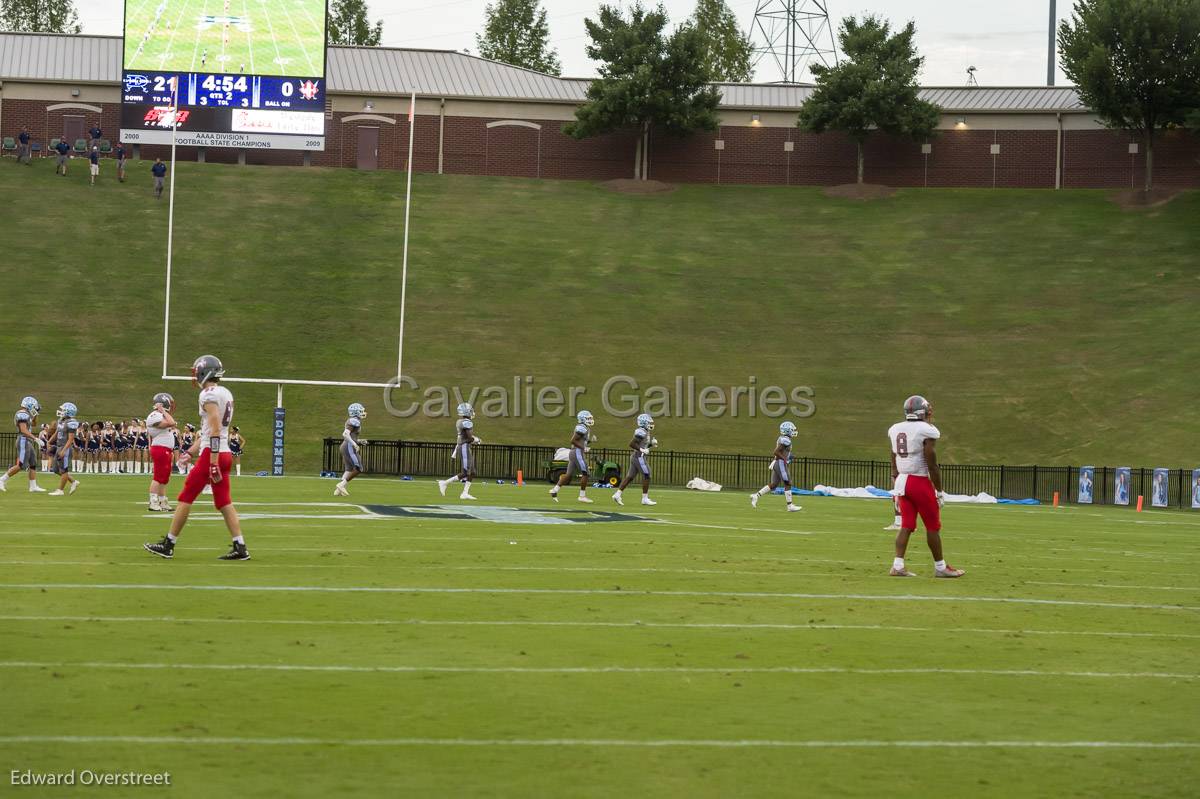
<point x="1046" y="327"/>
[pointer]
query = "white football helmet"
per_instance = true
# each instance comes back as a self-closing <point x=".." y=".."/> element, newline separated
<point x="788" y="429"/>
<point x="585" y="418"/>
<point x="645" y="421"/>
<point x="917" y="408"/>
<point x="465" y="411"/>
<point x="31" y="405"/>
<point x="67" y="411"/>
<point x="357" y="411"/>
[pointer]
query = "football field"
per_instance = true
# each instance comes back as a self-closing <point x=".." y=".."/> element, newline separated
<point x="398" y="643"/>
<point x="257" y="37"/>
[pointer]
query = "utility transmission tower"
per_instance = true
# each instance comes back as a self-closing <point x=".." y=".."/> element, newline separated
<point x="793" y="34"/>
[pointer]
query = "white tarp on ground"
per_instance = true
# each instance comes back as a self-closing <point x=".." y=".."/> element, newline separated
<point x="700" y="484"/>
<point x="871" y="492"/>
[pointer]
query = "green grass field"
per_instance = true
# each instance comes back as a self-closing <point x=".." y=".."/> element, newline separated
<point x="257" y="37"/>
<point x="701" y="649"/>
<point x="1049" y="328"/>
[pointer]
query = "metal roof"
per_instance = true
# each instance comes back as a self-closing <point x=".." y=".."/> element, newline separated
<point x="384" y="71"/>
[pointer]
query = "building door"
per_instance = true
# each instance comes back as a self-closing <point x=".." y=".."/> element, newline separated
<point x="73" y="129"/>
<point x="368" y="148"/>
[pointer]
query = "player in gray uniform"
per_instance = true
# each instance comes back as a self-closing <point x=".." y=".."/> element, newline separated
<point x="63" y="434"/>
<point x="779" y="467"/>
<point x="576" y="462"/>
<point x="464" y="432"/>
<point x="29" y="446"/>
<point x="351" y="460"/>
<point x="641" y="444"/>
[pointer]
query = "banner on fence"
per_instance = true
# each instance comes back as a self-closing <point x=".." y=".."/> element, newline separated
<point x="1158" y="495"/>
<point x="1196" y="489"/>
<point x="1087" y="477"/>
<point x="1121" y="484"/>
<point x="277" y="442"/>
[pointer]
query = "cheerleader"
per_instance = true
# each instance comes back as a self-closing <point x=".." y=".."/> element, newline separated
<point x="106" y="448"/>
<point x="189" y="438"/>
<point x="237" y="445"/>
<point x="79" y="456"/>
<point x="44" y="437"/>
<point x="120" y="447"/>
<point x="93" y="448"/>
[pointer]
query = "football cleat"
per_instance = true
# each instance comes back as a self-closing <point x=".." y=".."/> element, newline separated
<point x="164" y="548"/>
<point x="585" y="418"/>
<point x="34" y="488"/>
<point x="892" y="526"/>
<point x="74" y="486"/>
<point x="587" y="500"/>
<point x="465" y="495"/>
<point x="754" y="500"/>
<point x="917" y="408"/>
<point x="948" y="572"/>
<point x="645" y="421"/>
<point x="339" y="490"/>
<point x="236" y="552"/>
<point x="356" y="411"/>
<point x="648" y="501"/>
<point x="442" y="487"/>
<point x="465" y="411"/>
<point x="793" y="508"/>
<point x="554" y="495"/>
<point x="58" y="492"/>
<point x="617" y="498"/>
<point x="900" y="573"/>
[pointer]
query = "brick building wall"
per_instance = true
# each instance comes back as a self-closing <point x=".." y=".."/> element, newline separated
<point x="745" y="154"/>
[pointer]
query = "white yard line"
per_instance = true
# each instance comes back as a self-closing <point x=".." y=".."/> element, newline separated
<point x="196" y="43"/>
<point x="731" y="626"/>
<point x="281" y="69"/>
<point x="717" y="743"/>
<point x="585" y="592"/>
<point x="174" y="31"/>
<point x="299" y="40"/>
<point x="1110" y="585"/>
<point x="249" y="34"/>
<point x="322" y="668"/>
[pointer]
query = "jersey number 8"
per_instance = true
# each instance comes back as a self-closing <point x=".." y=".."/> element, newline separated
<point x="902" y="444"/>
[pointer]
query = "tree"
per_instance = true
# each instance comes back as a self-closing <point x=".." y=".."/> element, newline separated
<point x="873" y="88"/>
<point x="39" y="16"/>
<point x="647" y="80"/>
<point x="1136" y="64"/>
<point x="729" y="51"/>
<point x="515" y="32"/>
<point x="348" y="24"/>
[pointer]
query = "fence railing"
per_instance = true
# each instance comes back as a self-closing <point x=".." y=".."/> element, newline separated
<point x="503" y="461"/>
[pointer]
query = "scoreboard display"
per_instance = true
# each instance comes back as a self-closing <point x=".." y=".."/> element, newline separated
<point x="249" y="76"/>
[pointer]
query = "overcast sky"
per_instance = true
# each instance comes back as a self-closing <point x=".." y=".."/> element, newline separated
<point x="1005" y="41"/>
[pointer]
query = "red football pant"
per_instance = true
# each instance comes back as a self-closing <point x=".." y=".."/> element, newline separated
<point x="198" y="478"/>
<point x="919" y="498"/>
<point x="161" y="457"/>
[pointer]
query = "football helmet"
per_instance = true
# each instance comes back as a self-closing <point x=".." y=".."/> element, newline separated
<point x="465" y="411"/>
<point x="788" y="429"/>
<point x="164" y="399"/>
<point x="67" y="410"/>
<point x="645" y="421"/>
<point x="31" y="404"/>
<point x="206" y="368"/>
<point x="917" y="408"/>
<point x="585" y="418"/>
<point x="357" y="411"/>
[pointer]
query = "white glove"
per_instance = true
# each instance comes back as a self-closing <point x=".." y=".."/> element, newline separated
<point x="941" y="498"/>
<point x="41" y="445"/>
<point x="645" y="450"/>
<point x="363" y="442"/>
<point x="476" y="440"/>
<point x="184" y="457"/>
<point x="587" y="449"/>
<point x="654" y="442"/>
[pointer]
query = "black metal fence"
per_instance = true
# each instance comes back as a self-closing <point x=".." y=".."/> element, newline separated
<point x="503" y="461"/>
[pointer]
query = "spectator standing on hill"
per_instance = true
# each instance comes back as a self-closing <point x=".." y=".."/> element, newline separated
<point x="23" y="147"/>
<point x="159" y="170"/>
<point x="64" y="155"/>
<point x="94" y="163"/>
<point x="120" y="155"/>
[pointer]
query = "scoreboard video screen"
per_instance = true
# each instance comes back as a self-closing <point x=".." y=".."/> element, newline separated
<point x="247" y="73"/>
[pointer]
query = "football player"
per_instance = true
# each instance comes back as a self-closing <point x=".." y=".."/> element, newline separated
<point x="213" y="462"/>
<point x="161" y="426"/>
<point x="351" y="461"/>
<point x="780" y="458"/>
<point x="465" y="430"/>
<point x="918" y="484"/>
<point x="29" y="446"/>
<point x="62" y="432"/>
<point x="576" y="462"/>
<point x="641" y="444"/>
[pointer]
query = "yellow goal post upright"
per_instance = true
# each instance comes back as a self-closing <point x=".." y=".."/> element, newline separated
<point x="279" y="382"/>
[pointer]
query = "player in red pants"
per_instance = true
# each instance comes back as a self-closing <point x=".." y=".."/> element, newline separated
<point x="160" y="426"/>
<point x="213" y="461"/>
<point x="918" y="484"/>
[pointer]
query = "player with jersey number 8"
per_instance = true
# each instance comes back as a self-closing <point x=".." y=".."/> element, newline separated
<point x="918" y="484"/>
<point x="213" y="461"/>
